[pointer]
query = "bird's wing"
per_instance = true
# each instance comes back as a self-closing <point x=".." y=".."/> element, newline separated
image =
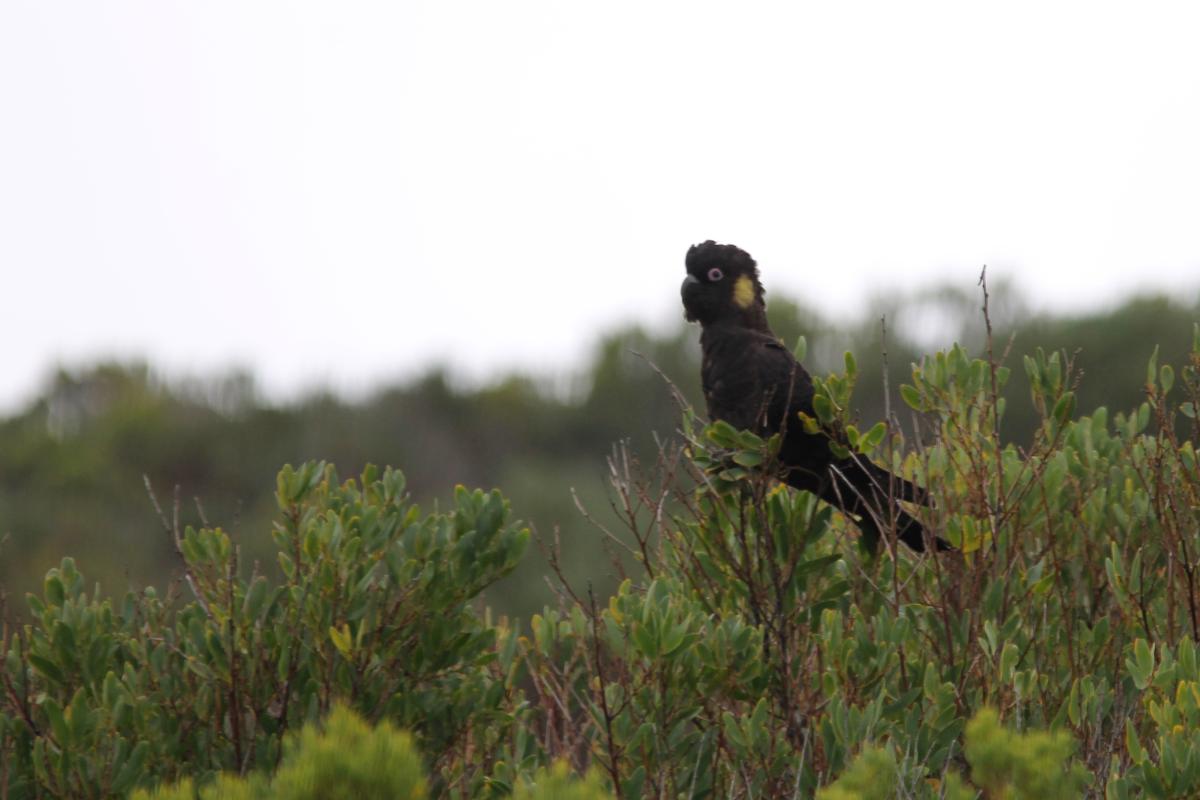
<point x="791" y="387"/>
<point x="751" y="381"/>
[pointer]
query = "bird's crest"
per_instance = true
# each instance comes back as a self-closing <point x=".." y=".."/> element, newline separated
<point x="730" y="257"/>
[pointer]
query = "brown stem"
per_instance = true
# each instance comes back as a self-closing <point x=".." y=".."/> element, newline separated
<point x="613" y="751"/>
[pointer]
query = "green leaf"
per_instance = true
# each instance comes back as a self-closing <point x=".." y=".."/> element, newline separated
<point x="873" y="438"/>
<point x="674" y="638"/>
<point x="58" y="722"/>
<point x="1054" y="372"/>
<point x="47" y="667"/>
<point x="1166" y="377"/>
<point x="902" y="703"/>
<point x="749" y="440"/>
<point x="815" y="564"/>
<point x="83" y="719"/>
<point x="132" y="769"/>
<point x="53" y="588"/>
<point x="491" y="516"/>
<point x="1064" y="408"/>
<point x="1141" y="664"/>
<point x="1034" y="372"/>
<point x="930" y="682"/>
<point x="722" y="434"/>
<point x="255" y="597"/>
<point x="835" y="590"/>
<point x="912" y="397"/>
<point x="111" y="691"/>
<point x="824" y="408"/>
<point x="644" y="638"/>
<point x="631" y="787"/>
<point x="342" y="639"/>
<point x="1132" y="745"/>
<point x="1008" y="661"/>
<point x="748" y="458"/>
<point x="801" y="349"/>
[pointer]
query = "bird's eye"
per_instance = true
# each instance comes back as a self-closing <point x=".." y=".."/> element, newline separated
<point x="715" y="274"/>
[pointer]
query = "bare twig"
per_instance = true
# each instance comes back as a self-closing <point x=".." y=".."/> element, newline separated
<point x="172" y="529"/>
<point x="613" y="749"/>
<point x="996" y="510"/>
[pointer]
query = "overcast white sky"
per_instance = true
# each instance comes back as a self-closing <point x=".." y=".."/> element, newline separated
<point x="349" y="191"/>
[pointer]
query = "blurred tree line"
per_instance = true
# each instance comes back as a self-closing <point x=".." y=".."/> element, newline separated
<point x="72" y="462"/>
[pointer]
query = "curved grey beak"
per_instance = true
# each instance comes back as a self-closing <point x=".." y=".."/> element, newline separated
<point x="689" y="284"/>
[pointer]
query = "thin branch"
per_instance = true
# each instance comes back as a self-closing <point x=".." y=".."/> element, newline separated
<point x="172" y="529"/>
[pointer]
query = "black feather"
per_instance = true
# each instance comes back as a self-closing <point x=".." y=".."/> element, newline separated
<point x="752" y="381"/>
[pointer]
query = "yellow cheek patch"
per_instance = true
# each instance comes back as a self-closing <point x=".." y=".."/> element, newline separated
<point x="743" y="292"/>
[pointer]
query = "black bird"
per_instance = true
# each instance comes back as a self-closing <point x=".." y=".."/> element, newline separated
<point x="752" y="381"/>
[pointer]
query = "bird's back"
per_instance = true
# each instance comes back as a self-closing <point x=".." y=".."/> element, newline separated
<point x="751" y="381"/>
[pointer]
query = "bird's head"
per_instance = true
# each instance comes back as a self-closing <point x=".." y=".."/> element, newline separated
<point x="722" y="286"/>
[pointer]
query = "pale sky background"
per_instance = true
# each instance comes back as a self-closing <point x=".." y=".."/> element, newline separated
<point x="351" y="191"/>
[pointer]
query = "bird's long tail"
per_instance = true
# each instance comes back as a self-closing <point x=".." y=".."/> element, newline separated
<point x="862" y="488"/>
<point x="867" y="476"/>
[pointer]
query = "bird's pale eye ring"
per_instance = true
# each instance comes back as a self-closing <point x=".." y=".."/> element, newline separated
<point x="715" y="274"/>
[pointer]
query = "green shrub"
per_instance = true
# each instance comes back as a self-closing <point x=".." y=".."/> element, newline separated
<point x="224" y="786"/>
<point x="1022" y="766"/>
<point x="761" y="648"/>
<point x="753" y="653"/>
<point x="345" y="759"/>
<point x="342" y="759"/>
<point x="871" y="776"/>
<point x="1004" y="765"/>
<point x="373" y="609"/>
<point x="558" y="783"/>
<point x="1170" y="765"/>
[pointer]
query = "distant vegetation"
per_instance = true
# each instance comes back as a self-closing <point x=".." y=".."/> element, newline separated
<point x="72" y="463"/>
<point x="754" y="648"/>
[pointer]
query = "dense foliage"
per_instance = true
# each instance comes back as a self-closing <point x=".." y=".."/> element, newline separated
<point x="72" y="461"/>
<point x="372" y="610"/>
<point x="343" y="758"/>
<point x="756" y="649"/>
<point x="766" y="649"/>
